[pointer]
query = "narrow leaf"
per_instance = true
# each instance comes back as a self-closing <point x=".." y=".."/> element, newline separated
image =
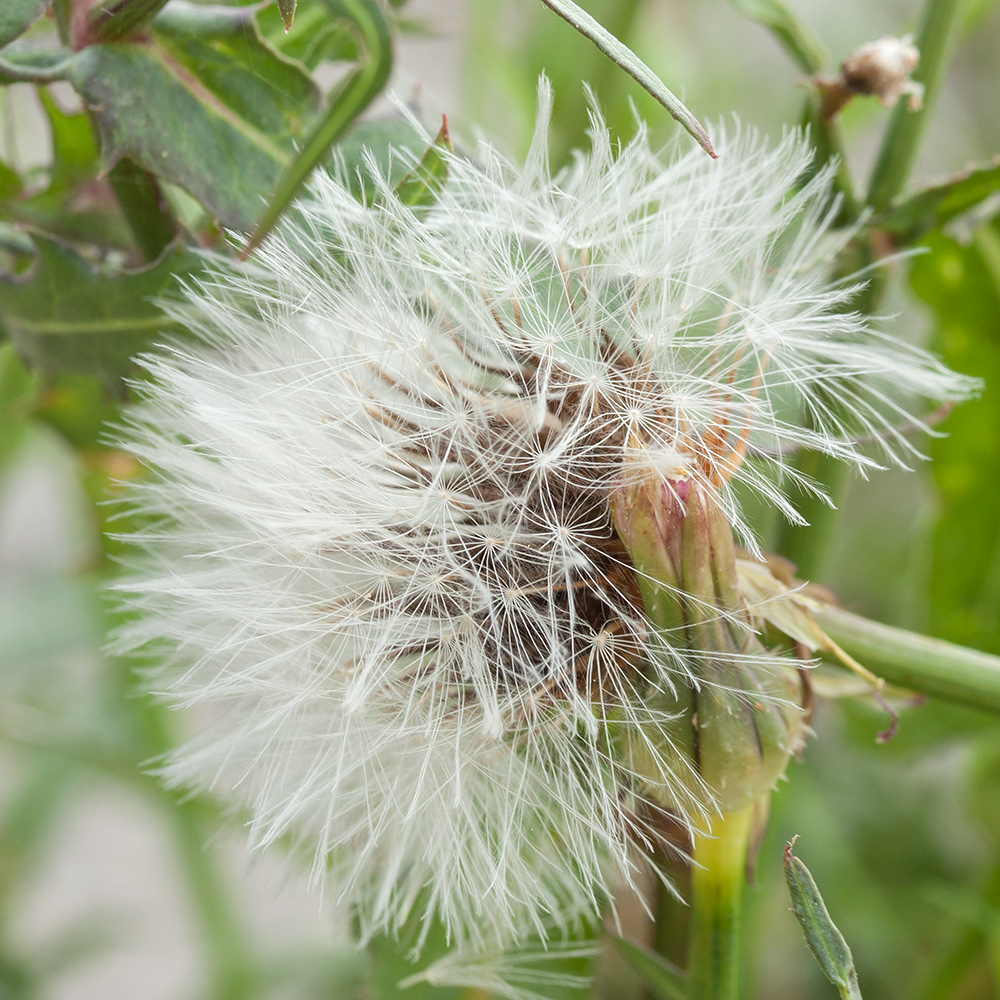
<point x="911" y="217"/>
<point x="623" y="56"/>
<point x="661" y="976"/>
<point x="422" y="185"/>
<point x="792" y="34"/>
<point x="65" y="316"/>
<point x="349" y="99"/>
<point x="824" y="940"/>
<point x="16" y="16"/>
<point x="286" y="8"/>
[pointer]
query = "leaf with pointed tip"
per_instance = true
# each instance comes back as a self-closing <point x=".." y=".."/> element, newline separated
<point x="824" y="940"/>
<point x="911" y="217"/>
<point x="286" y="8"/>
<point x="661" y="976"/>
<point x="315" y="36"/>
<point x="623" y="56"/>
<point x="792" y="34"/>
<point x="16" y="16"/>
<point x="422" y="185"/>
<point x="65" y="316"/>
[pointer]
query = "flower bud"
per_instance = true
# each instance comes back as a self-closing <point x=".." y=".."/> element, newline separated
<point x="732" y="726"/>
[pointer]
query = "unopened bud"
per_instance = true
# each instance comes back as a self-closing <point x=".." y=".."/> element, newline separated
<point x="738" y="717"/>
<point x="880" y="69"/>
<point x="883" y="68"/>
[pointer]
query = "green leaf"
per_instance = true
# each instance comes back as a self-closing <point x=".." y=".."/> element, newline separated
<point x="792" y="34"/>
<point x="207" y="106"/>
<point x="74" y="150"/>
<point x="354" y="93"/>
<point x="315" y="36"/>
<point x="287" y="10"/>
<point x="75" y="205"/>
<point x="18" y="388"/>
<point x="824" y="940"/>
<point x="223" y="49"/>
<point x="10" y="182"/>
<point x="21" y="63"/>
<point x="961" y="284"/>
<point x="113" y="20"/>
<point x="662" y="977"/>
<point x="16" y="16"/>
<point x="930" y="208"/>
<point x="421" y="186"/>
<point x="65" y="316"/>
<point x="624" y="57"/>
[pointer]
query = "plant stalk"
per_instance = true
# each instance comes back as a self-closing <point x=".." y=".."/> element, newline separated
<point x="716" y="906"/>
<point x="902" y="139"/>
<point x="931" y="666"/>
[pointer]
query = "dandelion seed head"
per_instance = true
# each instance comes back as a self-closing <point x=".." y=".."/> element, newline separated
<point x="377" y="527"/>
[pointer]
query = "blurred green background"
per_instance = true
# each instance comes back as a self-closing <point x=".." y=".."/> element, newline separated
<point x="110" y="888"/>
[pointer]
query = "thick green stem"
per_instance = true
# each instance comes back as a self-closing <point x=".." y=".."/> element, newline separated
<point x="930" y="666"/>
<point x="899" y="147"/>
<point x="716" y="904"/>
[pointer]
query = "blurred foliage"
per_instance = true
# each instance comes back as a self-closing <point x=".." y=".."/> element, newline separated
<point x="170" y="122"/>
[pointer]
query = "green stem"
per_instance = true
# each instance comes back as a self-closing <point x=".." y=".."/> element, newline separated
<point x="930" y="666"/>
<point x="229" y="964"/>
<point x="716" y="903"/>
<point x="828" y="142"/>
<point x="899" y="147"/>
<point x="227" y="953"/>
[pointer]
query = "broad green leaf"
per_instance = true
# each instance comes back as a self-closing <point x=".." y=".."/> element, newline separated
<point x="422" y="185"/>
<point x="16" y="16"/>
<point x="790" y="31"/>
<point x="222" y="47"/>
<point x="623" y="56"/>
<point x="206" y="106"/>
<point x="65" y="316"/>
<point x="824" y="940"/>
<point x="352" y="95"/>
<point x="961" y="284"/>
<point x="930" y="208"/>
<point x="662" y="977"/>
